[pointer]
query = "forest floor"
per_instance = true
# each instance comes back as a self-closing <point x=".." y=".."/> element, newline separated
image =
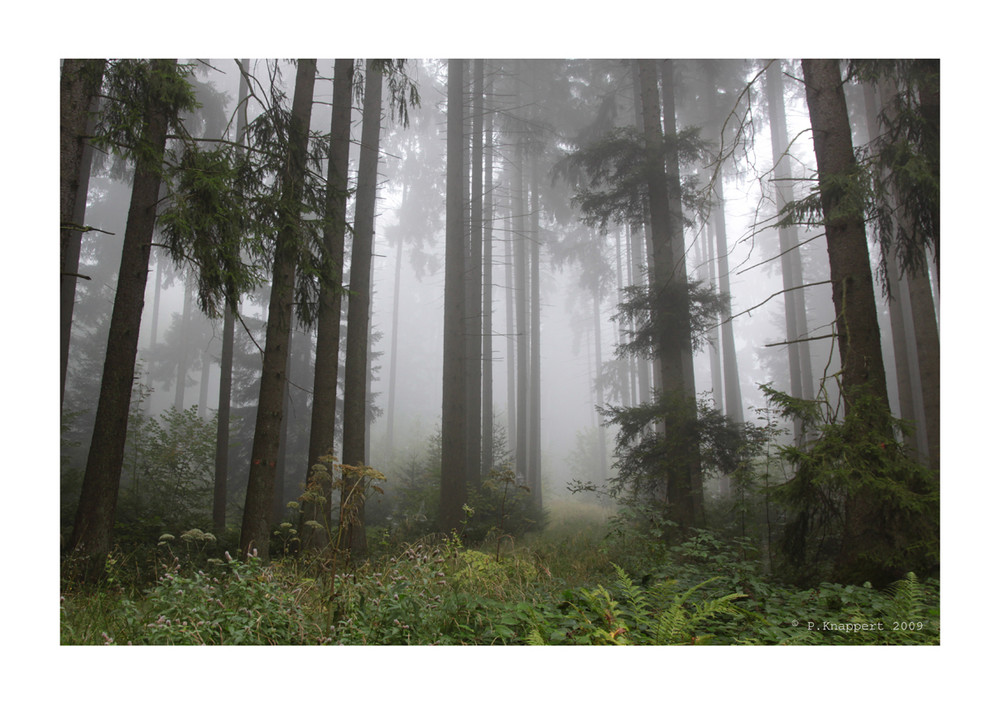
<point x="587" y="578"/>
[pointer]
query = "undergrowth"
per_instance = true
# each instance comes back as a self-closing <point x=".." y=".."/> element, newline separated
<point x="568" y="586"/>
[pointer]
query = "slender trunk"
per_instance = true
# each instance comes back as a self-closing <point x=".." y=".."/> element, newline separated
<point x="796" y="327"/>
<point x="356" y="369"/>
<point x="510" y="327"/>
<point x="226" y="361"/>
<point x="255" y="531"/>
<point x="278" y="501"/>
<point x="602" y="448"/>
<point x="487" y="405"/>
<point x="535" y="381"/>
<point x="324" y="408"/>
<point x="474" y="294"/>
<point x="79" y="83"/>
<point x="182" y="362"/>
<point x="454" y="491"/>
<point x="390" y="407"/>
<point x="95" y="515"/>
<point x="521" y="315"/>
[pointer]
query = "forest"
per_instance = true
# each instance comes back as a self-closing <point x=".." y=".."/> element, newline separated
<point x="499" y="352"/>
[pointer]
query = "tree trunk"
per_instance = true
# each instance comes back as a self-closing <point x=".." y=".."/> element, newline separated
<point x="95" y="515"/>
<point x="853" y="293"/>
<point x="79" y="83"/>
<point x="255" y="532"/>
<point x="454" y="491"/>
<point x="324" y="407"/>
<point x="182" y="362"/>
<point x="671" y="313"/>
<point x="863" y="374"/>
<point x="226" y="362"/>
<point x="535" y="380"/>
<point x="487" y="405"/>
<point x="474" y="289"/>
<point x="799" y="355"/>
<point x="356" y="368"/>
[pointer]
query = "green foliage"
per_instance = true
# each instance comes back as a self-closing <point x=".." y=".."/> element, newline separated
<point x="233" y="604"/>
<point x="651" y="442"/>
<point x="647" y="314"/>
<point x="130" y="86"/>
<point x="859" y="457"/>
<point x="206" y="222"/>
<point x="611" y="178"/>
<point x="167" y="474"/>
<point x="705" y="590"/>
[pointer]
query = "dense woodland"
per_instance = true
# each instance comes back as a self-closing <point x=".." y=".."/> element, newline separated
<point x="521" y="351"/>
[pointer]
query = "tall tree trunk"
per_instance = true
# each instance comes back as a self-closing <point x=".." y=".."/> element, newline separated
<point x="853" y="293"/>
<point x="255" y="531"/>
<point x="520" y="237"/>
<point x="95" y="514"/>
<point x="924" y="347"/>
<point x="535" y="381"/>
<point x="474" y="290"/>
<point x="390" y="406"/>
<point x="602" y="448"/>
<point x="454" y="491"/>
<point x="79" y="83"/>
<point x="799" y="355"/>
<point x="226" y="361"/>
<point x="278" y="504"/>
<point x="510" y="326"/>
<point x="182" y="362"/>
<point x="670" y="291"/>
<point x="487" y="405"/>
<point x="324" y="407"/>
<point x="356" y="368"/>
<point x="865" y="536"/>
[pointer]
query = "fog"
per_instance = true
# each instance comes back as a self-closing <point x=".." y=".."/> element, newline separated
<point x="412" y="157"/>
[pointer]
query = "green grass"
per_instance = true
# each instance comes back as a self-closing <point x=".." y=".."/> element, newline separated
<point x="576" y="582"/>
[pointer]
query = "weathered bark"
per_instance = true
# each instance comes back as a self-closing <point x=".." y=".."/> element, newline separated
<point x="454" y="491"/>
<point x="95" y="515"/>
<point x="255" y="532"/>
<point x="79" y="83"/>
<point x="356" y="369"/>
<point x="858" y="336"/>
<point x="865" y="535"/>
<point x="324" y="408"/>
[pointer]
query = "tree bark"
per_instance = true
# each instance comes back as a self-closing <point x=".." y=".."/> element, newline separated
<point x="487" y="405"/>
<point x="454" y="491"/>
<point x="858" y="335"/>
<point x="255" y="532"/>
<point x="356" y="368"/>
<point x="671" y="314"/>
<point x="799" y="355"/>
<point x="474" y="291"/>
<point x="79" y="84"/>
<point x="324" y="408"/>
<point x="95" y="515"/>
<point x="221" y="483"/>
<point x="865" y="535"/>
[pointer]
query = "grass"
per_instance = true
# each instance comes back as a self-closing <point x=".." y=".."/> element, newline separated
<point x="568" y="584"/>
